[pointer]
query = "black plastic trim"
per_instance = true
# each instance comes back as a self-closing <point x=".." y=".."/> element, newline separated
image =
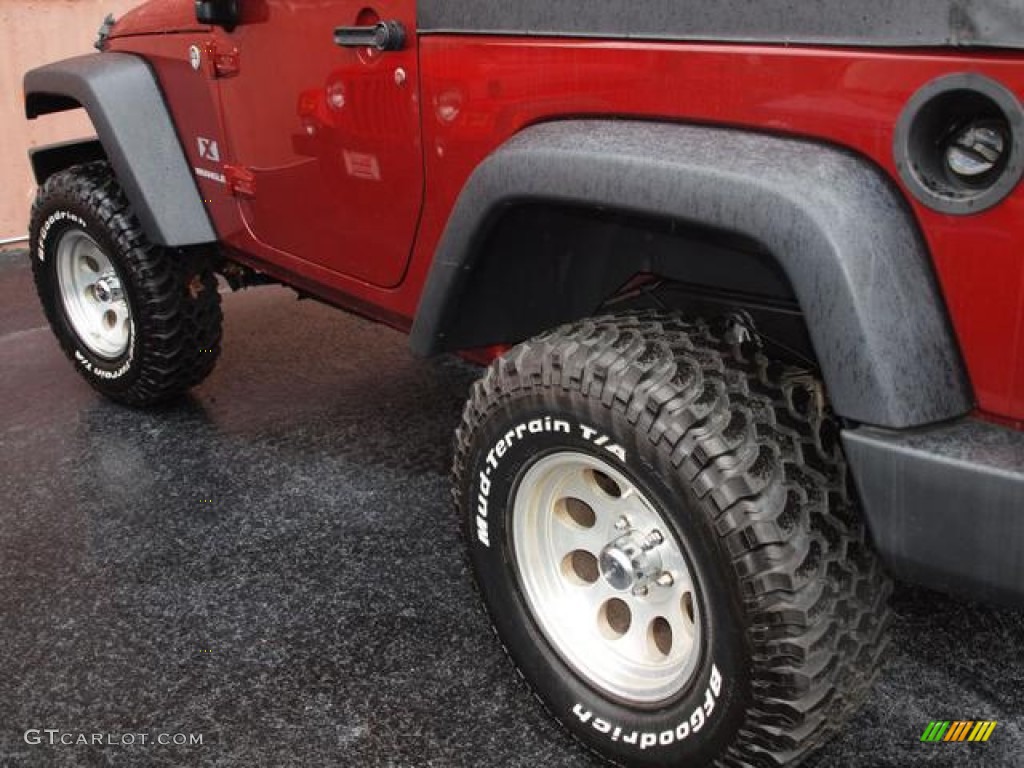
<point x="946" y="505"/>
<point x="871" y="23"/>
<point x="838" y="228"/>
<point x="127" y="109"/>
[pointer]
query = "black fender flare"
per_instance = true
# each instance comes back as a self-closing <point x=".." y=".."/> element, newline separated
<point x="835" y="223"/>
<point x="123" y="99"/>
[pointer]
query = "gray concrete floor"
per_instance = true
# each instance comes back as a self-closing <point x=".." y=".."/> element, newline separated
<point x="273" y="563"/>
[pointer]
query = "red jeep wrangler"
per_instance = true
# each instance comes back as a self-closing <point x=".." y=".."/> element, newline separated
<point x="748" y="277"/>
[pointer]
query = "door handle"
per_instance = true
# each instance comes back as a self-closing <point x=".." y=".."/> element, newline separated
<point x="384" y="36"/>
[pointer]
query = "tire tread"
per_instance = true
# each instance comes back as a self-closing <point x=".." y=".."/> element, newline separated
<point x="774" y="490"/>
<point x="177" y="310"/>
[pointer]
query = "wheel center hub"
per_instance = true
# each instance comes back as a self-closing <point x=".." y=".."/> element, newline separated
<point x="107" y="289"/>
<point x="631" y="562"/>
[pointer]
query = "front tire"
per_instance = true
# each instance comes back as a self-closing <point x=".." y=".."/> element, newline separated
<point x="661" y="528"/>
<point x="141" y="323"/>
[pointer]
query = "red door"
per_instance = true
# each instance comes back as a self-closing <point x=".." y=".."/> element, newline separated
<point x="323" y="140"/>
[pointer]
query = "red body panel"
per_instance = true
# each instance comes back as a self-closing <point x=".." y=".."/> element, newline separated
<point x="336" y="131"/>
<point x="476" y="92"/>
<point x="156" y="18"/>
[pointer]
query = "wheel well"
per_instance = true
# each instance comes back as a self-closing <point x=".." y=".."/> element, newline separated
<point x="53" y="158"/>
<point x="544" y="264"/>
<point x="800" y="207"/>
<point x="47" y="161"/>
<point x="37" y="104"/>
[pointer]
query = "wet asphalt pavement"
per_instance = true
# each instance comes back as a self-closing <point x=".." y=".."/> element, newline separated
<point x="273" y="563"/>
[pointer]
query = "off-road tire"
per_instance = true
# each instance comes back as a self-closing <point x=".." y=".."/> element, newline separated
<point x="744" y="458"/>
<point x="172" y="294"/>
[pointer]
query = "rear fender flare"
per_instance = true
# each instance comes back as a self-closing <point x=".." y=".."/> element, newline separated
<point x="835" y="223"/>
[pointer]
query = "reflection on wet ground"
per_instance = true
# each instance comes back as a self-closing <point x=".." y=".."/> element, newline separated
<point x="273" y="563"/>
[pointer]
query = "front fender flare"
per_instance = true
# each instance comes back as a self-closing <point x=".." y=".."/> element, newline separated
<point x="834" y="222"/>
<point x="127" y="109"/>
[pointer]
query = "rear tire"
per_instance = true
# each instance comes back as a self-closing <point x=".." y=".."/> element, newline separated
<point x="737" y="462"/>
<point x="141" y="323"/>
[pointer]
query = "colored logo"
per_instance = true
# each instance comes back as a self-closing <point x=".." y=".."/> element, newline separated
<point x="958" y="730"/>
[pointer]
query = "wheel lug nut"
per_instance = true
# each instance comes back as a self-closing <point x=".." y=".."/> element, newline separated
<point x="666" y="579"/>
<point x="640" y="591"/>
<point x="622" y="523"/>
<point x="653" y="539"/>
